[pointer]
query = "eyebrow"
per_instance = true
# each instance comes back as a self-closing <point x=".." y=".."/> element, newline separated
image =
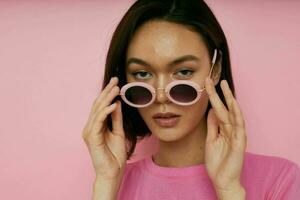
<point x="171" y="64"/>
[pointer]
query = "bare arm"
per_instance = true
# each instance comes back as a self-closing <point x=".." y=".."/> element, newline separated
<point x="235" y="194"/>
<point x="106" y="189"/>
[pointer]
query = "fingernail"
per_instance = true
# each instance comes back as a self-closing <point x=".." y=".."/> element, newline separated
<point x="112" y="79"/>
<point x="226" y="83"/>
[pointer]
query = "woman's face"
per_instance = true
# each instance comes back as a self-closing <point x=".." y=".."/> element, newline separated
<point x="158" y="43"/>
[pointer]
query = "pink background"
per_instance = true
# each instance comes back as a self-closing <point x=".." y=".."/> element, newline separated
<point x="51" y="59"/>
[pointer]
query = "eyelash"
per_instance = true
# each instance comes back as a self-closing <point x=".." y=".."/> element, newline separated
<point x="185" y="70"/>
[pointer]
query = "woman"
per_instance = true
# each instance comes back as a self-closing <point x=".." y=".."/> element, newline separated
<point x="168" y="73"/>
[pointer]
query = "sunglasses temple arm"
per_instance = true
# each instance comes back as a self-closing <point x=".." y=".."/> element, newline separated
<point x="208" y="76"/>
<point x="213" y="64"/>
<point x="213" y="61"/>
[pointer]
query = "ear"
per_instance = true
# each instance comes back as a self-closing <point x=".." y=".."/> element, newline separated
<point x="216" y="72"/>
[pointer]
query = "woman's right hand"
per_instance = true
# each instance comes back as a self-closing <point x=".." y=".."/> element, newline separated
<point x="107" y="148"/>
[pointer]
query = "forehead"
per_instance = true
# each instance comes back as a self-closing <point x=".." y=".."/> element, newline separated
<point x="164" y="41"/>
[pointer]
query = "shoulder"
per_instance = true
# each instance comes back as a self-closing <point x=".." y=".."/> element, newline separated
<point x="277" y="177"/>
<point x="273" y="166"/>
<point x="268" y="163"/>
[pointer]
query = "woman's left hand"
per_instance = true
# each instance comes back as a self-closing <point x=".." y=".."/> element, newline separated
<point x="226" y="140"/>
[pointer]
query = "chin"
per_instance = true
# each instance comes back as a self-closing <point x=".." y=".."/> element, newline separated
<point x="170" y="134"/>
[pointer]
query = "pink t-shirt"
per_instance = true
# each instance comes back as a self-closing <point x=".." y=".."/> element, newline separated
<point x="263" y="177"/>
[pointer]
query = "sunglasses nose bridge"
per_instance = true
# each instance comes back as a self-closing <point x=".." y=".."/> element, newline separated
<point x="161" y="96"/>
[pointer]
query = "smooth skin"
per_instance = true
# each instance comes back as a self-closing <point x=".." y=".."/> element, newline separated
<point x="224" y="150"/>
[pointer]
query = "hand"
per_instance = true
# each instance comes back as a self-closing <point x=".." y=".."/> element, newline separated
<point x="107" y="148"/>
<point x="226" y="139"/>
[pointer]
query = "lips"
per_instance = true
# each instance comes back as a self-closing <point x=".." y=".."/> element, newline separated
<point x="167" y="122"/>
<point x="165" y="115"/>
<point x="166" y="119"/>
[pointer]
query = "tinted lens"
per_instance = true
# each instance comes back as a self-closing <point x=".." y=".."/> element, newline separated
<point x="138" y="95"/>
<point x="183" y="93"/>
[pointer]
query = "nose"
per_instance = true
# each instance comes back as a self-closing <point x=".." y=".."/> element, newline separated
<point x="161" y="96"/>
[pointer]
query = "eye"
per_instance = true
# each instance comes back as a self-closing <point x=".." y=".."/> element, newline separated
<point x="185" y="72"/>
<point x="142" y="74"/>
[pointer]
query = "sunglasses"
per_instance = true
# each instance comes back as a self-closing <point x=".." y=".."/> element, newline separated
<point x="181" y="92"/>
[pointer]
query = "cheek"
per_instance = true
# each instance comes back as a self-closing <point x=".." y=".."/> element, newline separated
<point x="197" y="110"/>
<point x="146" y="113"/>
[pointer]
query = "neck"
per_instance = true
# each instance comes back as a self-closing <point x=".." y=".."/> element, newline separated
<point x="187" y="151"/>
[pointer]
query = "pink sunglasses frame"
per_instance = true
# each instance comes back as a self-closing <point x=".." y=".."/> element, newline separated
<point x="167" y="89"/>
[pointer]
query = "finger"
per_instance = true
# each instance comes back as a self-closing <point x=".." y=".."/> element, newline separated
<point x="106" y="100"/>
<point x="113" y="81"/>
<point x="229" y="99"/>
<point x="96" y="123"/>
<point x="239" y="120"/>
<point x="117" y="120"/>
<point x="220" y="110"/>
<point x="227" y="94"/>
<point x="212" y="126"/>
<point x="105" y="92"/>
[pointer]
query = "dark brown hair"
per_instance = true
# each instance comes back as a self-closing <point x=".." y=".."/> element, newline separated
<point x="193" y="14"/>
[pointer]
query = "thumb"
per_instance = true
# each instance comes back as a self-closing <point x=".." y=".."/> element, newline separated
<point x="212" y="126"/>
<point x="117" y="120"/>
